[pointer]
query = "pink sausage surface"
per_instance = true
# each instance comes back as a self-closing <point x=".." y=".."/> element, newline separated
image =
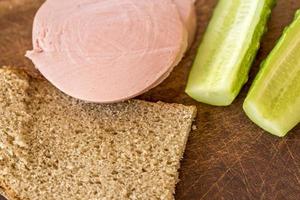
<point x="187" y="13"/>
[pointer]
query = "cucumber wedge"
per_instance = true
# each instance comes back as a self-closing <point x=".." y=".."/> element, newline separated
<point x="273" y="102"/>
<point x="228" y="48"/>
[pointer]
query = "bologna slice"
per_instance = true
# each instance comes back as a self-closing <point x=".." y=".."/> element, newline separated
<point x="109" y="50"/>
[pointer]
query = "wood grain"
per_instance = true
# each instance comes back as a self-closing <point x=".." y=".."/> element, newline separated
<point x="227" y="157"/>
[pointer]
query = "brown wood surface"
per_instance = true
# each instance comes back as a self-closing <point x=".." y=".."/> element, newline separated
<point x="227" y="157"/>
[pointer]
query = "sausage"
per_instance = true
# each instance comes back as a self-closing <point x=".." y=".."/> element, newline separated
<point x="107" y="50"/>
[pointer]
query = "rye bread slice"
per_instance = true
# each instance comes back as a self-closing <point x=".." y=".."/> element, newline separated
<point x="55" y="147"/>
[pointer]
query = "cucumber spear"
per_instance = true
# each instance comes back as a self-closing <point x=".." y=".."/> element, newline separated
<point x="273" y="102"/>
<point x="228" y="48"/>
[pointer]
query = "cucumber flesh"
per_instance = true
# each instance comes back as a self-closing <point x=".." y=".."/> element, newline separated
<point x="228" y="48"/>
<point x="273" y="102"/>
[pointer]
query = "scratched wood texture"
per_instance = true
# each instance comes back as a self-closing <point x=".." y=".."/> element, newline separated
<point x="227" y="157"/>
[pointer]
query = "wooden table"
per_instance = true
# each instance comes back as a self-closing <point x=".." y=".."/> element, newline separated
<point x="227" y="157"/>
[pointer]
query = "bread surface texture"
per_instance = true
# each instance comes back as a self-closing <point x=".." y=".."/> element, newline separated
<point x="53" y="146"/>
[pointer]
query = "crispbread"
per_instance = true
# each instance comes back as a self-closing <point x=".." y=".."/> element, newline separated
<point x="57" y="147"/>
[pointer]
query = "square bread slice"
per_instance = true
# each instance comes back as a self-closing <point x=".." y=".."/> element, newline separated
<point x="55" y="147"/>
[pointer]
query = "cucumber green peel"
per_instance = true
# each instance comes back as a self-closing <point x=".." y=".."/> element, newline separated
<point x="227" y="51"/>
<point x="273" y="102"/>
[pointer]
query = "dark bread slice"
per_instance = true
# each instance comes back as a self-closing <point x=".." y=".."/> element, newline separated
<point x="55" y="147"/>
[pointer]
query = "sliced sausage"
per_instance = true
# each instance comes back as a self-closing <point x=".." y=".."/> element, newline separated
<point x="107" y="50"/>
